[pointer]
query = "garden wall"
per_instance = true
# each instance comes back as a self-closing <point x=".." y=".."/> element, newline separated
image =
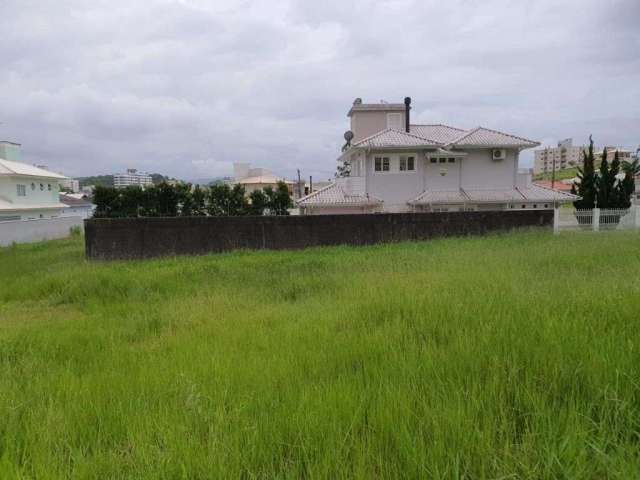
<point x="130" y="238"/>
<point x="27" y="231"/>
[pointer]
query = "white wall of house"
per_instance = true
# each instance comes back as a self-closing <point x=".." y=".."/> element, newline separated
<point x="37" y="191"/>
<point x="81" y="211"/>
<point x="367" y="123"/>
<point x="443" y="173"/>
<point x="395" y="187"/>
<point x="480" y="171"/>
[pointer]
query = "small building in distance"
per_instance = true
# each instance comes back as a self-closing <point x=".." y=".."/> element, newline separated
<point x="132" y="178"/>
<point x="71" y="185"/>
<point x="78" y="205"/>
<point x="26" y="192"/>
<point x="257" y="178"/>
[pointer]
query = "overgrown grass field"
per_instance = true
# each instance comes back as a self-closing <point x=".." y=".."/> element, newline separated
<point x="508" y="356"/>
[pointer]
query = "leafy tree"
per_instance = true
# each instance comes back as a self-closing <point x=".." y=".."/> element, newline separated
<point x="586" y="185"/>
<point x="279" y="200"/>
<point x="218" y="199"/>
<point x="344" y="170"/>
<point x="259" y="202"/>
<point x="166" y="200"/>
<point x="238" y="204"/>
<point x="611" y="191"/>
<point x="631" y="171"/>
<point x="224" y="200"/>
<point x="185" y="199"/>
<point x="605" y="183"/>
<point x="198" y="196"/>
<point x="106" y="201"/>
<point x="131" y="201"/>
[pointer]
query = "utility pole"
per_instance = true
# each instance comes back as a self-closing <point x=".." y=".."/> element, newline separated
<point x="310" y="184"/>
<point x="553" y="172"/>
<point x="300" y="194"/>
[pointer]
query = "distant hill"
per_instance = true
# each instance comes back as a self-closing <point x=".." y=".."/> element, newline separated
<point x="563" y="174"/>
<point x="107" y="180"/>
<point x="97" y="180"/>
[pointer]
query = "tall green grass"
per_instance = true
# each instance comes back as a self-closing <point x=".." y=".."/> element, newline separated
<point x="508" y="356"/>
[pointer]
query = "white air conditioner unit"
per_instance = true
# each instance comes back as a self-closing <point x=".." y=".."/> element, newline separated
<point x="498" y="154"/>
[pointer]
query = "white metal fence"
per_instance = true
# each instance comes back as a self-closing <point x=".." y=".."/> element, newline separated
<point x="567" y="219"/>
<point x="26" y="231"/>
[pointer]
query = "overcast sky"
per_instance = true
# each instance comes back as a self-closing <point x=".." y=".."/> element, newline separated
<point x="187" y="87"/>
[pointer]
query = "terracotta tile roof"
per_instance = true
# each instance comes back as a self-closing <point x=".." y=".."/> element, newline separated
<point x="440" y="135"/>
<point x="438" y="132"/>
<point x="559" y="185"/>
<point x="533" y="193"/>
<point x="395" y="138"/>
<point x="446" y="196"/>
<point x="497" y="195"/>
<point x="336" y="194"/>
<point x="540" y="193"/>
<point x="485" y="137"/>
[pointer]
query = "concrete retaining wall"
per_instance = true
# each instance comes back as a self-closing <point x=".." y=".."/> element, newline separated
<point x="27" y="231"/>
<point x="130" y="238"/>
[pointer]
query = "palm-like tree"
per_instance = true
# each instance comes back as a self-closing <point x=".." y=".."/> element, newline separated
<point x="631" y="171"/>
<point x="631" y="168"/>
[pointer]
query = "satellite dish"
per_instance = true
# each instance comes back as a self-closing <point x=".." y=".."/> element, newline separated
<point x="348" y="136"/>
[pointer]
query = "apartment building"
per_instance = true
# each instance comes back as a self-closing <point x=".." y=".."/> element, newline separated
<point x="565" y="155"/>
<point x="132" y="178"/>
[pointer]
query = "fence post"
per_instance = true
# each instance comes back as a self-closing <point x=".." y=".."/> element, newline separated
<point x="596" y="219"/>
<point x="556" y="220"/>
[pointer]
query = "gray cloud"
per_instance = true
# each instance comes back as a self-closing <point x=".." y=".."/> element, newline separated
<point x="188" y="87"/>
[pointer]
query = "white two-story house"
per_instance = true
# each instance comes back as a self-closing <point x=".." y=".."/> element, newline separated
<point x="26" y="192"/>
<point x="396" y="166"/>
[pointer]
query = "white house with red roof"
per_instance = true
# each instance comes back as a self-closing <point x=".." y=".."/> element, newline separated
<point x="396" y="166"/>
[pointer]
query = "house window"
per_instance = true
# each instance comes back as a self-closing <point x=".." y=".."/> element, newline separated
<point x="407" y="164"/>
<point x="41" y="187"/>
<point x="33" y="186"/>
<point x="49" y="186"/>
<point x="452" y="160"/>
<point x="22" y="190"/>
<point x="382" y="164"/>
<point x="434" y="160"/>
<point x="443" y="160"/>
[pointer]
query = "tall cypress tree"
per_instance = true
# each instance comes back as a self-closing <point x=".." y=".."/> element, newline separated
<point x="585" y="188"/>
<point x="604" y="183"/>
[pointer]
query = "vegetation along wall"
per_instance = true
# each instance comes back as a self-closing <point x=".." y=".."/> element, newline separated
<point x="131" y="238"/>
